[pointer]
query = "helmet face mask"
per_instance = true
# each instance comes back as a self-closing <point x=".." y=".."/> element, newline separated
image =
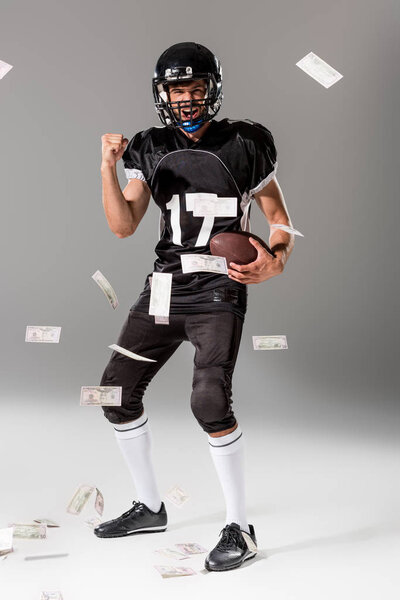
<point x="187" y="62"/>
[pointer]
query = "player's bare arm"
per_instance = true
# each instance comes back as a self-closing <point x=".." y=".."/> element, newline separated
<point x="123" y="210"/>
<point x="272" y="203"/>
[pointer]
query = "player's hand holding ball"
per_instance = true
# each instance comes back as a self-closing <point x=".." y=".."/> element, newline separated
<point x="264" y="267"/>
<point x="113" y="147"/>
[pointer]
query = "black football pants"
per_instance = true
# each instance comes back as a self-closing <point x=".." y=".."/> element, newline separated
<point x="216" y="338"/>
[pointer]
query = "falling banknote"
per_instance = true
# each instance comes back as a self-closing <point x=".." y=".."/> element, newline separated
<point x="29" y="531"/>
<point x="287" y="229"/>
<point x="99" y="502"/>
<point x="42" y="333"/>
<point x="160" y="295"/>
<point x="4" y="68"/>
<point x="174" y="571"/>
<point x="47" y="522"/>
<point x="130" y="354"/>
<point x="101" y="395"/>
<point x="177" y="496"/>
<point x="51" y="596"/>
<point x="79" y="499"/>
<point x="210" y="205"/>
<point x="191" y="263"/>
<point x="6" y="541"/>
<point x="319" y="70"/>
<point x="269" y="342"/>
<point x="105" y="285"/>
<point x="189" y="549"/>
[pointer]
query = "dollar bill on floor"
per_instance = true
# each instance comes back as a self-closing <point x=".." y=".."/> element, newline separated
<point x="319" y="70"/>
<point x="99" y="502"/>
<point x="177" y="496"/>
<point x="189" y="549"/>
<point x="168" y="571"/>
<point x="29" y="531"/>
<point x="47" y="522"/>
<point x="287" y="229"/>
<point x="170" y="553"/>
<point x="93" y="522"/>
<point x="270" y="342"/>
<point x="210" y="205"/>
<point x="51" y="596"/>
<point x="80" y="499"/>
<point x="106" y="287"/>
<point x="130" y="354"/>
<point x="46" y="556"/>
<point x="101" y="395"/>
<point x="6" y="541"/>
<point x="4" y="68"/>
<point x="45" y="334"/>
<point x="192" y="263"/>
<point x="160" y="295"/>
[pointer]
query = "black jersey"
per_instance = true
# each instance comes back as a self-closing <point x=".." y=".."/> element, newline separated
<point x="233" y="159"/>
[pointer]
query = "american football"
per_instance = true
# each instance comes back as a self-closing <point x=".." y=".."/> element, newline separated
<point x="236" y="247"/>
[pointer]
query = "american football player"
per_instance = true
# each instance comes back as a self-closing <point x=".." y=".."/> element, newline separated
<point x="191" y="155"/>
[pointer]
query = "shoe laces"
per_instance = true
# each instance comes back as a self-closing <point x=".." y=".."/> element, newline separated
<point x="136" y="507"/>
<point x="230" y="535"/>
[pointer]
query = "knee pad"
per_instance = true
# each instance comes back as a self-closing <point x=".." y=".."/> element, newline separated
<point x="211" y="398"/>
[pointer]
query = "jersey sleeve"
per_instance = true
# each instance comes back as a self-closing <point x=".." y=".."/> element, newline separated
<point x="133" y="159"/>
<point x="262" y="158"/>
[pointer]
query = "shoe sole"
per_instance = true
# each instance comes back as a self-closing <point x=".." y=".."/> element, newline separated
<point x="252" y="555"/>
<point x="126" y="533"/>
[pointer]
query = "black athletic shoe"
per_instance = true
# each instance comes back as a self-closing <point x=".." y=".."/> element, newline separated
<point x="232" y="549"/>
<point x="138" y="519"/>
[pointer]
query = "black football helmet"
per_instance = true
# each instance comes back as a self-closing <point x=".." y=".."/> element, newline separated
<point x="187" y="61"/>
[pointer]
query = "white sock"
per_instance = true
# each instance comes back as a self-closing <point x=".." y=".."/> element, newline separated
<point x="134" y="440"/>
<point x="227" y="453"/>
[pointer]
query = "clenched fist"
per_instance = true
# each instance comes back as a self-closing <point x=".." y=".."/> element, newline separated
<point x="112" y="148"/>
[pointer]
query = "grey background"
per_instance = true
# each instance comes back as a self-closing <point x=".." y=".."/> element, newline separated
<point x="82" y="69"/>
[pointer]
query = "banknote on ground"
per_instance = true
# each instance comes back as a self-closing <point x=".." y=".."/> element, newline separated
<point x="189" y="549"/>
<point x="170" y="553"/>
<point x="168" y="571"/>
<point x="249" y="542"/>
<point x="101" y="395"/>
<point x="177" y="496"/>
<point x="319" y="70"/>
<point x="6" y="540"/>
<point x="106" y="287"/>
<point x="42" y="333"/>
<point x="93" y="522"/>
<point x="269" y="342"/>
<point x="130" y="354"/>
<point x="192" y="263"/>
<point x="160" y="294"/>
<point x="4" y="68"/>
<point x="29" y="531"/>
<point x="287" y="229"/>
